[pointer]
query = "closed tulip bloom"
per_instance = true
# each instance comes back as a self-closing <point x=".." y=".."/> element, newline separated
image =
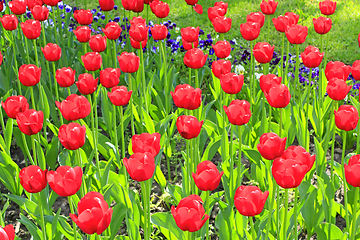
<point x="352" y="171"/>
<point x="14" y="105"/>
<point x="216" y="11"/>
<point x="256" y="17"/>
<point x="31" y="29"/>
<point x="138" y="20"/>
<point x="231" y="83"/>
<point x="281" y="23"/>
<point x="268" y="7"/>
<point x="147" y="1"/>
<point x="51" y="2"/>
<point x="119" y="95"/>
<point x="29" y="74"/>
<point x="7" y="233"/>
<point x="322" y="25"/>
<point x="198" y="9"/>
<point x="146" y="142"/>
<point x="40" y="13"/>
<point x="263" y="52"/>
<point x="346" y="118"/>
<point x="110" y="77"/>
<point x="327" y="7"/>
<point x="222" y="49"/>
<point x="220" y="67"/>
<point x="33" y="179"/>
<point x="65" y="181"/>
<point x="278" y="96"/>
<point x="72" y="136"/>
<point x="74" y="107"/>
<point x="207" y="176"/>
<point x="94" y="214"/>
<point x="52" y="52"/>
<point x="296" y="34"/>
<point x="190" y="214"/>
<point x="106" y="5"/>
<point x="190" y="34"/>
<point x="271" y="146"/>
<point x="312" y="57"/>
<point x="82" y="33"/>
<point x="185" y="96"/>
<point x="221" y="4"/>
<point x="9" y="22"/>
<point x="337" y="70"/>
<point x="32" y="3"/>
<point x="288" y="173"/>
<point x="97" y="43"/>
<point x="83" y="17"/>
<point x="188" y="126"/>
<point x="128" y="4"/>
<point x="250" y="200"/>
<point x="65" y="77"/>
<point x="195" y="58"/>
<point x="187" y="45"/>
<point x="140" y="166"/>
<point x="160" y="9"/>
<point x="250" y="30"/>
<point x="355" y="70"/>
<point x="238" y="112"/>
<point x="191" y="2"/>
<point x="359" y="40"/>
<point x="1" y="58"/>
<point x="293" y="18"/>
<point x="222" y="24"/>
<point x="112" y="30"/>
<point x="17" y="7"/>
<point x="86" y="84"/>
<point x="138" y="6"/>
<point x="30" y="122"/>
<point x="92" y="61"/>
<point x="138" y="32"/>
<point x="268" y="81"/>
<point x="337" y="89"/>
<point x="128" y="62"/>
<point x="137" y="45"/>
<point x="1" y="6"/>
<point x="299" y="154"/>
<point x="159" y="32"/>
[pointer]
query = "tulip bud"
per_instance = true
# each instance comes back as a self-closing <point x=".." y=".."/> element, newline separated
<point x="271" y="146"/>
<point x="17" y="7"/>
<point x="188" y="126"/>
<point x="29" y="75"/>
<point x="216" y="11"/>
<point x="140" y="166"/>
<point x="220" y="67"/>
<point x="352" y="171"/>
<point x="249" y="200"/>
<point x="52" y="52"/>
<point x="86" y="84"/>
<point x="250" y="30"/>
<point x="222" y="24"/>
<point x="159" y="32"/>
<point x="288" y="173"/>
<point x="268" y="81"/>
<point x="187" y="97"/>
<point x="327" y="7"/>
<point x="263" y="52"/>
<point x="311" y="57"/>
<point x="278" y="96"/>
<point x="160" y="9"/>
<point x="195" y="58"/>
<point x="74" y="107"/>
<point x="296" y="34"/>
<point x="31" y="29"/>
<point x="231" y="83"/>
<point x="112" y="30"/>
<point x="82" y="33"/>
<point x="190" y="34"/>
<point x="72" y="136"/>
<point x="322" y="25"/>
<point x="9" y="22"/>
<point x="92" y="61"/>
<point x="301" y="155"/>
<point x="97" y="43"/>
<point x="119" y="95"/>
<point x="238" y="112"/>
<point x="83" y="17"/>
<point x="8" y="232"/>
<point x="207" y="177"/>
<point x="268" y="7"/>
<point x="33" y="179"/>
<point x="65" y="181"/>
<point x="222" y="49"/>
<point x="106" y="5"/>
<point x="256" y="17"/>
<point x="128" y="62"/>
<point x="355" y="70"/>
<point x="14" y="105"/>
<point x="65" y="77"/>
<point x="337" y="70"/>
<point x="346" y="118"/>
<point x="337" y="89"/>
<point x="110" y="77"/>
<point x="146" y="142"/>
<point x="40" y="13"/>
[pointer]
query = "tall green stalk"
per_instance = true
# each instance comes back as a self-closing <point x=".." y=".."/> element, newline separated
<point x="286" y="212"/>
<point x="282" y="55"/>
<point x="122" y="133"/>
<point x="15" y="61"/>
<point x="297" y="83"/>
<point x="286" y="81"/>
<point x="43" y="230"/>
<point x="239" y="164"/>
<point x="47" y="62"/>
<point x="344" y="185"/>
<point x="55" y="25"/>
<point x="270" y="115"/>
<point x="116" y="142"/>
<point x="207" y="211"/>
<point x="145" y="202"/>
<point x="252" y="92"/>
<point x="354" y="214"/>
<point x="307" y="140"/>
<point x="26" y="44"/>
<point x="295" y="213"/>
<point x="131" y="106"/>
<point x="57" y="93"/>
<point x="79" y="163"/>
<point x="253" y="236"/>
<point x="72" y="211"/>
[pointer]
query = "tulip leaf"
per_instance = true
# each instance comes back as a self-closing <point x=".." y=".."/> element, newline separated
<point x="28" y="205"/>
<point x="211" y="148"/>
<point x="133" y="230"/>
<point x="119" y="210"/>
<point x="149" y="123"/>
<point x="225" y="221"/>
<point x="167" y="226"/>
<point x="33" y="230"/>
<point x="322" y="231"/>
<point x="8" y="133"/>
<point x="9" y="174"/>
<point x="175" y="191"/>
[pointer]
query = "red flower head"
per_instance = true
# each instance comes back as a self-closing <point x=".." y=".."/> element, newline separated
<point x="352" y="171"/>
<point x="82" y="33"/>
<point x="106" y="5"/>
<point x="29" y="75"/>
<point x="147" y="1"/>
<point x="249" y="200"/>
<point x="256" y="17"/>
<point x="128" y="4"/>
<point x="355" y="70"/>
<point x="65" y="77"/>
<point x="14" y="105"/>
<point x="337" y="70"/>
<point x="190" y="34"/>
<point x="1" y="58"/>
<point x="31" y="29"/>
<point x="30" y="122"/>
<point x="288" y="173"/>
<point x="159" y="32"/>
<point x="263" y="52"/>
<point x="216" y="11"/>
<point x="86" y="84"/>
<point x="296" y="34"/>
<point x="337" y="89"/>
<point x="160" y="9"/>
<point x="359" y="40"/>
<point x="327" y="7"/>
<point x="195" y="58"/>
<point x="94" y="214"/>
<point x="222" y="49"/>
<point x="268" y="81"/>
<point x="187" y="45"/>
<point x="271" y="146"/>
<point x="128" y="62"/>
<point x="72" y="136"/>
<point x="188" y="126"/>
<point x="346" y="118"/>
<point x="198" y="9"/>
<point x="278" y="96"/>
<point x="190" y="214"/>
<point x="74" y="107"/>
<point x="138" y="31"/>
<point x="312" y="57"/>
<point x="112" y="30"/>
<point x="92" y="61"/>
<point x="293" y="18"/>
<point x="146" y="142"/>
<point x="40" y="13"/>
<point x="9" y="22"/>
<point x="185" y="96"/>
<point x="231" y="83"/>
<point x="238" y="112"/>
<point x="268" y="7"/>
<point x="250" y="30"/>
<point x="299" y="154"/>
<point x="222" y="24"/>
<point x="33" y="179"/>
<point x="140" y="166"/>
<point x="138" y="6"/>
<point x="110" y="77"/>
<point x="7" y="233"/>
<point x="221" y="4"/>
<point x="17" y="7"/>
<point x="1" y="9"/>
<point x="281" y="23"/>
<point x="65" y="181"/>
<point x="33" y="3"/>
<point x="322" y="25"/>
<point x="119" y="95"/>
<point x="220" y="67"/>
<point x="191" y="2"/>
<point x="83" y="17"/>
<point x="97" y="43"/>
<point x="51" y="2"/>
<point x="52" y="52"/>
<point x="137" y="45"/>
<point x="207" y="176"/>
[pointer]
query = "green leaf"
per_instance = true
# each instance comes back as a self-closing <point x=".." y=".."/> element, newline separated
<point x="119" y="211"/>
<point x="9" y="174"/>
<point x="28" y="205"/>
<point x="33" y="230"/>
<point x="166" y="223"/>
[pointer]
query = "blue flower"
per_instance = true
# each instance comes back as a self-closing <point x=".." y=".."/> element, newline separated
<point x="115" y="7"/>
<point x="211" y="51"/>
<point x="116" y="19"/>
<point x="67" y="8"/>
<point x="93" y="11"/>
<point x="103" y="17"/>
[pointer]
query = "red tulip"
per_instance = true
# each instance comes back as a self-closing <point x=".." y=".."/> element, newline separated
<point x="220" y="67"/>
<point x="281" y="23"/>
<point x="136" y="45"/>
<point x="191" y="2"/>
<point x="268" y="8"/>
<point x="185" y="96"/>
<point x="359" y="40"/>
<point x="14" y="105"/>
<point x="9" y="22"/>
<point x="112" y="30"/>
<point x="355" y="70"/>
<point x="72" y="136"/>
<point x="92" y="61"/>
<point x="190" y="214"/>
<point x="188" y="126"/>
<point x="222" y="24"/>
<point x="128" y="62"/>
<point x="221" y="4"/>
<point x="278" y="96"/>
<point x="94" y="214"/>
<point x="29" y="75"/>
<point x="238" y="112"/>
<point x="128" y="4"/>
<point x="263" y="52"/>
<point x="106" y="5"/>
<point x="65" y="77"/>
<point x="74" y="107"/>
<point x="138" y="32"/>
<point x="293" y="18"/>
<point x="268" y="81"/>
<point x="271" y="146"/>
<point x="17" y="7"/>
<point x="216" y="11"/>
<point x="250" y="30"/>
<point x="33" y="179"/>
<point x="352" y="171"/>
<point x="147" y="1"/>
<point x="1" y="58"/>
<point x="138" y="20"/>
<point x="110" y="77"/>
<point x="322" y="25"/>
<point x="249" y="200"/>
<point x="187" y="45"/>
<point x="87" y="84"/>
<point x="256" y="17"/>
<point x="311" y="57"/>
<point x="198" y="9"/>
<point x="31" y="29"/>
<point x="119" y="95"/>
<point x="159" y="32"/>
<point x="82" y="33"/>
<point x="296" y="34"/>
<point x="337" y="70"/>
<point x="7" y="233"/>
<point x="222" y="49"/>
<point x="83" y="17"/>
<point x="288" y="173"/>
<point x="138" y="6"/>
<point x="346" y="118"/>
<point x="1" y="6"/>
<point x="195" y="58"/>
<point x="160" y="9"/>
<point x="337" y="89"/>
<point x="65" y="181"/>
<point x="190" y="34"/>
<point x="52" y="52"/>
<point x="40" y="13"/>
<point x="30" y="122"/>
<point x="140" y="166"/>
<point x="97" y="43"/>
<point x="207" y="176"/>
<point x="299" y="154"/>
<point x="327" y="7"/>
<point x="32" y="3"/>
<point x="51" y="2"/>
<point x="231" y="83"/>
<point x="146" y="142"/>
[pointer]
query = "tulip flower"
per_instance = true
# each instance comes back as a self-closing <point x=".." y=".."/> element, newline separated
<point x="110" y="77"/>
<point x="72" y="136"/>
<point x="322" y="25"/>
<point x="65" y="77"/>
<point x="256" y="17"/>
<point x="337" y="70"/>
<point x="140" y="166"/>
<point x="191" y="2"/>
<point x="7" y="233"/>
<point x="222" y="49"/>
<point x="137" y="45"/>
<point x="119" y="95"/>
<point x="82" y="33"/>
<point x="9" y="22"/>
<point x="187" y="45"/>
<point x="29" y="75"/>
<point x="198" y="9"/>
<point x="106" y="5"/>
<point x="147" y="1"/>
<point x="185" y="96"/>
<point x="138" y="20"/>
<point x="263" y="52"/>
<point x="14" y="105"/>
<point x="33" y="179"/>
<point x="327" y="7"/>
<point x="268" y="7"/>
<point x="74" y="107"/>
<point x="65" y="181"/>
<point x="31" y="29"/>
<point x="188" y="126"/>
<point x="112" y="30"/>
<point x="231" y="83"/>
<point x="222" y="24"/>
<point x="352" y="171"/>
<point x="359" y="40"/>
<point x="1" y="6"/>
<point x="146" y="142"/>
<point x="207" y="176"/>
<point x="271" y="146"/>
<point x="222" y="4"/>
<point x="216" y="11"/>
<point x="1" y="58"/>
<point x="249" y="200"/>
<point x="296" y="34"/>
<point x="138" y="31"/>
<point x="278" y="96"/>
<point x="32" y="3"/>
<point x="281" y="23"/>
<point x="220" y="67"/>
<point x="128" y="4"/>
<point x="190" y="34"/>
<point x="159" y="32"/>
<point x="92" y="61"/>
<point x="17" y="7"/>
<point x="355" y="70"/>
<point x="288" y="173"/>
<point x="299" y="154"/>
<point x="160" y="9"/>
<point x="86" y="83"/>
<point x="238" y="112"/>
<point x="138" y="6"/>
<point x="97" y="43"/>
<point x="40" y="13"/>
<point x="128" y="62"/>
<point x="337" y="89"/>
<point x="346" y="118"/>
<point x="268" y="81"/>
<point x="195" y="58"/>
<point x="52" y="52"/>
<point x="94" y="214"/>
<point x="51" y="2"/>
<point x="250" y="30"/>
<point x="30" y="122"/>
<point x="190" y="214"/>
<point x="293" y="18"/>
<point x="312" y="57"/>
<point x="83" y="17"/>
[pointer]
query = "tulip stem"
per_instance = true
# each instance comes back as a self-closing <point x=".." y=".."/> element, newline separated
<point x="297" y="83"/>
<point x="354" y="214"/>
<point x="26" y="45"/>
<point x="116" y="142"/>
<point x="57" y="93"/>
<point x="240" y="166"/>
<point x="145" y="200"/>
<point x="79" y="163"/>
<point x="166" y="90"/>
<point x="232" y="187"/>
<point x="115" y="54"/>
<point x="252" y="88"/>
<point x="3" y="127"/>
<point x="188" y="170"/>
<point x="122" y="133"/>
<point x="68" y="90"/>
<point x="43" y="230"/>
<point x="72" y="211"/>
<point x="286" y="213"/>
<point x="270" y="115"/>
<point x="344" y="185"/>
<point x="27" y="150"/>
<point x="358" y="133"/>
<point x="131" y="106"/>
<point x="47" y="62"/>
<point x="143" y="76"/>
<point x="207" y="210"/>
<point x="287" y="83"/>
<point x="253" y="236"/>
<point x="143" y="89"/>
<point x="280" y="122"/>
<point x="307" y="141"/>
<point x="15" y="61"/>
<point x="282" y="54"/>
<point x="96" y="133"/>
<point x="295" y="213"/>
<point x="272" y="201"/>
<point x="54" y="22"/>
